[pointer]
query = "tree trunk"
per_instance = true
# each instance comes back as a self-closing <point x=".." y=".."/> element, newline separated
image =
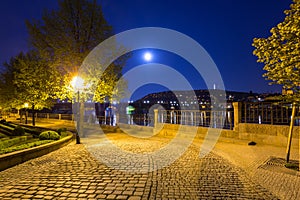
<point x="26" y="116"/>
<point x="33" y="115"/>
<point x="288" y="149"/>
<point x="21" y="115"/>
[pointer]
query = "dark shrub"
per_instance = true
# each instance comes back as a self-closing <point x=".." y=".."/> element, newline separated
<point x="64" y="134"/>
<point x="35" y="133"/>
<point x="293" y="166"/>
<point x="18" y="131"/>
<point x="32" y="131"/>
<point x="8" y="124"/>
<point x="60" y="130"/>
<point x="49" y="135"/>
<point x="4" y="122"/>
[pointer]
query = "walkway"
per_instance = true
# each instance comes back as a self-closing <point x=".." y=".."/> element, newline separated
<point x="231" y="171"/>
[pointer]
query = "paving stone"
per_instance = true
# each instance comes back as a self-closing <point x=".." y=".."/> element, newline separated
<point x="73" y="195"/>
<point x="16" y="195"/>
<point x="90" y="196"/>
<point x="134" y="198"/>
<point x="138" y="193"/>
<point x="122" y="197"/>
<point x="82" y="195"/>
<point x="127" y="193"/>
<point x="48" y="197"/>
<point x="27" y="196"/>
<point x="38" y="196"/>
<point x="30" y="192"/>
<point x="111" y="196"/>
<point x="101" y="196"/>
<point x="40" y="192"/>
<point x="75" y="174"/>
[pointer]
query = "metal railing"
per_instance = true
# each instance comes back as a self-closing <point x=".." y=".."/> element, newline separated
<point x="204" y="118"/>
<point x="53" y="116"/>
<point x="277" y="113"/>
<point x="142" y="119"/>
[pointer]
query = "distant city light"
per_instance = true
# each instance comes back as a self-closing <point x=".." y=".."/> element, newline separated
<point x="148" y="56"/>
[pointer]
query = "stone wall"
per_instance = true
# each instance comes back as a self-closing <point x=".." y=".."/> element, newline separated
<point x="171" y="130"/>
<point x="259" y="133"/>
<point x="268" y="134"/>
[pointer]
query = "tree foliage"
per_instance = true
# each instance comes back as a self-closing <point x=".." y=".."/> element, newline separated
<point x="280" y="52"/>
<point x="67" y="35"/>
<point x="64" y="37"/>
<point x="60" y="42"/>
<point x="7" y="90"/>
<point x="28" y="79"/>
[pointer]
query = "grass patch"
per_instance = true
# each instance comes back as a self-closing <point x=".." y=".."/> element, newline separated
<point x="9" y="127"/>
<point x="8" y="144"/>
<point x="11" y="142"/>
<point x="5" y="127"/>
<point x="65" y="134"/>
<point x="24" y="146"/>
<point x="3" y="135"/>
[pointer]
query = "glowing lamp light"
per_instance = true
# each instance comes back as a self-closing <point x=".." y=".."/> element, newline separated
<point x="148" y="56"/>
<point x="77" y="83"/>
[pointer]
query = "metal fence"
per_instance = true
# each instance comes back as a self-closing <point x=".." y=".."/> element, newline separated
<point x="145" y="119"/>
<point x="258" y="112"/>
<point x="204" y="118"/>
<point x="277" y="113"/>
<point x="52" y="116"/>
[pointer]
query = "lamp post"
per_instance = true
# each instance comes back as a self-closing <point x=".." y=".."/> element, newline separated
<point x="26" y="112"/>
<point x="78" y="84"/>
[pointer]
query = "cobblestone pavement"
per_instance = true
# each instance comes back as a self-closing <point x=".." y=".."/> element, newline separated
<point x="72" y="173"/>
<point x="282" y="182"/>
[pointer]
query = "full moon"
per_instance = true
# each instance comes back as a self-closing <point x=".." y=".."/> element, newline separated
<point x="147" y="56"/>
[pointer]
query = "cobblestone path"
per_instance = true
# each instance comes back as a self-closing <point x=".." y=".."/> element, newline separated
<point x="73" y="173"/>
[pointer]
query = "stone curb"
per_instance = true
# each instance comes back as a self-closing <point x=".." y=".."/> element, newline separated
<point x="18" y="157"/>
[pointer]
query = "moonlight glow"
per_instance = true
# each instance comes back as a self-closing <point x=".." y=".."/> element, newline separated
<point x="148" y="56"/>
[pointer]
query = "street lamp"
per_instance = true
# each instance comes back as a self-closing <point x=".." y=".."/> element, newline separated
<point x="26" y="105"/>
<point x="78" y="84"/>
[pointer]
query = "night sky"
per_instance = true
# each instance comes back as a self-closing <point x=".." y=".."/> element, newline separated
<point x="225" y="28"/>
